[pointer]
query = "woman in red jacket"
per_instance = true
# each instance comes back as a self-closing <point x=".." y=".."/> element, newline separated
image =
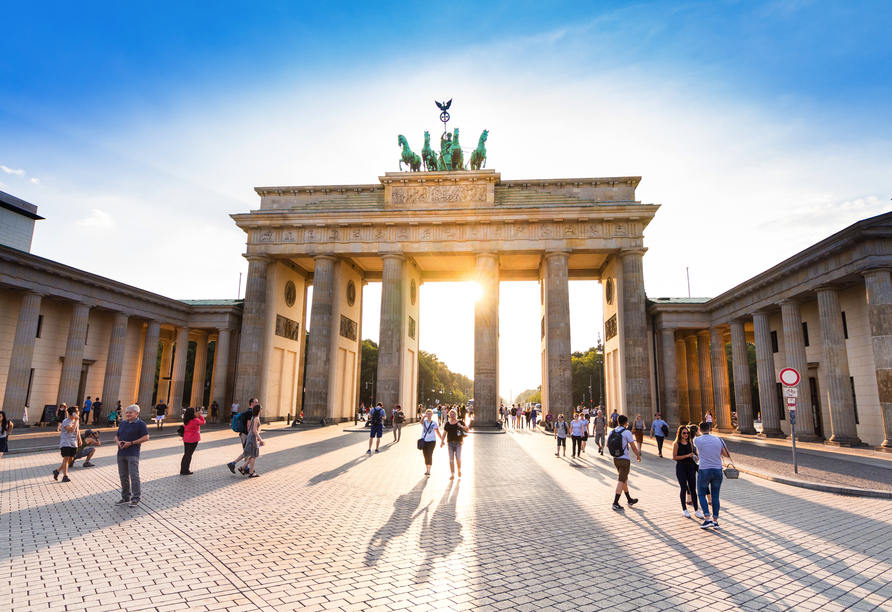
<point x="191" y="435"/>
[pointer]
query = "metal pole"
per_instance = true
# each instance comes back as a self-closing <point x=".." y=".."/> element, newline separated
<point x="688" y="272"/>
<point x="793" y="433"/>
<point x="239" y="294"/>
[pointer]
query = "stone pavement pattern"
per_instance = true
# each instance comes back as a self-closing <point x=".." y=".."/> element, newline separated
<point x="327" y="527"/>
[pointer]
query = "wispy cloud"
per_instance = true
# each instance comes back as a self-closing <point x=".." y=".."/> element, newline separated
<point x="35" y="181"/>
<point x="11" y="171"/>
<point x="99" y="219"/>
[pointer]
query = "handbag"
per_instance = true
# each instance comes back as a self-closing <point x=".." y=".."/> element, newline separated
<point x="730" y="472"/>
<point x="424" y="435"/>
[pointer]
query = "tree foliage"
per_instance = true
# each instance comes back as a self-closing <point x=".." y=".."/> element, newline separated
<point x="587" y="369"/>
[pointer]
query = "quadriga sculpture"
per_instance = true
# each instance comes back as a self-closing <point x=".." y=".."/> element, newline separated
<point x="478" y="157"/>
<point x="427" y="154"/>
<point x="408" y="157"/>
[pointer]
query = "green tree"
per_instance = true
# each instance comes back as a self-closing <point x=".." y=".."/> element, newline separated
<point x="587" y="369"/>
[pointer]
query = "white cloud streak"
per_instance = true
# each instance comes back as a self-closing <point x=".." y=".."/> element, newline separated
<point x="11" y="171"/>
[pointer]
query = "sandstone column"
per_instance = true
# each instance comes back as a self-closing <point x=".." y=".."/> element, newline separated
<point x="114" y="364"/>
<point x="557" y="333"/>
<point x="74" y="354"/>
<point x="149" y="363"/>
<point x="637" y="357"/>
<point x="742" y="383"/>
<point x="199" y="370"/>
<point x="299" y="405"/>
<point x="721" y="398"/>
<point x="178" y="379"/>
<point x="221" y="367"/>
<point x="837" y="381"/>
<point x="879" y="311"/>
<point x="670" y="379"/>
<point x="165" y="371"/>
<point x="766" y="375"/>
<point x="319" y="343"/>
<point x="704" y="360"/>
<point x="21" y="358"/>
<point x="794" y="347"/>
<point x="681" y="369"/>
<point x="390" y="334"/>
<point x="695" y="408"/>
<point x="253" y="338"/>
<point x="486" y="342"/>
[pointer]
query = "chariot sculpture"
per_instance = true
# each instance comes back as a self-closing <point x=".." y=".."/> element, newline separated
<point x="451" y="156"/>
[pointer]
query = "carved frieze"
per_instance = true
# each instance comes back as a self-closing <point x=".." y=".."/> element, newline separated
<point x="348" y="328"/>
<point x="610" y="328"/>
<point x="286" y="328"/>
<point x="438" y="194"/>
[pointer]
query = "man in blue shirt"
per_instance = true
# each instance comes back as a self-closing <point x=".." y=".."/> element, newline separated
<point x="132" y="434"/>
<point x="87" y="406"/>
<point x="376" y="420"/>
<point x="657" y="430"/>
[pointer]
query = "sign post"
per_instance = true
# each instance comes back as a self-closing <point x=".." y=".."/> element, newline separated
<point x="790" y="378"/>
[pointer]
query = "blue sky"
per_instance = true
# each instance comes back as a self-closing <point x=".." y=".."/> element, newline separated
<point x="760" y="127"/>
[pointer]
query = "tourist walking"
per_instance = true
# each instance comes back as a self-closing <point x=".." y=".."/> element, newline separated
<point x="528" y="414"/>
<point x="88" y="405"/>
<point x="710" y="449"/>
<point x="5" y="429"/>
<point x="513" y="416"/>
<point x="191" y="436"/>
<point x="376" y="419"/>
<point x="600" y="427"/>
<point x="160" y="413"/>
<point x="397" y="419"/>
<point x="215" y="411"/>
<point x="534" y="416"/>
<point x="683" y="452"/>
<point x="242" y="424"/>
<point x="614" y="419"/>
<point x="429" y="432"/>
<point x="561" y="431"/>
<point x="61" y="415"/>
<point x="132" y="434"/>
<point x="68" y="443"/>
<point x="577" y="425"/>
<point x="253" y="443"/>
<point x="585" y="424"/>
<point x="455" y="432"/>
<point x="638" y="430"/>
<point x="619" y="443"/>
<point x="709" y="418"/>
<point x="659" y="429"/>
<point x="97" y="412"/>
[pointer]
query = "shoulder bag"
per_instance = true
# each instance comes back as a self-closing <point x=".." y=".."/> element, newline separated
<point x="730" y="472"/>
<point x="425" y="431"/>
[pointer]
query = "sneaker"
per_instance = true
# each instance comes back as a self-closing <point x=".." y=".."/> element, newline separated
<point x="231" y="467"/>
<point x="122" y="502"/>
<point x="686" y="514"/>
<point x="368" y="452"/>
<point x="66" y="479"/>
<point x="707" y="524"/>
<point x="715" y="523"/>
<point x="632" y="502"/>
<point x="617" y="507"/>
<point x="55" y="474"/>
<point x="699" y="514"/>
<point x="376" y="450"/>
<point x="88" y="464"/>
<point x="134" y="503"/>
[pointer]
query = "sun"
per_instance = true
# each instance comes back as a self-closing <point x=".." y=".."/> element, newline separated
<point x="476" y="291"/>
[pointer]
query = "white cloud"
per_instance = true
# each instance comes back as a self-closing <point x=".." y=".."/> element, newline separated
<point x="99" y="219"/>
<point x="35" y="181"/>
<point x="11" y="171"/>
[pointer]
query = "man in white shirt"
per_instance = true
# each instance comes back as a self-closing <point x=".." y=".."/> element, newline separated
<point x="624" y="464"/>
<point x="711" y="449"/>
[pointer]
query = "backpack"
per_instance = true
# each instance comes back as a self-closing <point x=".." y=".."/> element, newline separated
<point x="234" y="423"/>
<point x="376" y="416"/>
<point x="181" y="431"/>
<point x="400" y="417"/>
<point x="665" y="429"/>
<point x="239" y="423"/>
<point x="615" y="443"/>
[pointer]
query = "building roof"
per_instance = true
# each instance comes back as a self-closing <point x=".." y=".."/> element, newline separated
<point x="26" y="209"/>
<point x="677" y="300"/>
<point x="214" y="302"/>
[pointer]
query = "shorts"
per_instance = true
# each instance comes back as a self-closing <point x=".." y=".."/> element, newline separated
<point x="68" y="451"/>
<point x="562" y="442"/>
<point x="377" y="431"/>
<point x="599" y="439"/>
<point x="4" y="446"/>
<point x="160" y="417"/>
<point x="84" y="452"/>
<point x="622" y="468"/>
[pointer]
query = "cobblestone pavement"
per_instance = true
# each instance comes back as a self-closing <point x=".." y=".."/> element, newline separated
<point x="327" y="527"/>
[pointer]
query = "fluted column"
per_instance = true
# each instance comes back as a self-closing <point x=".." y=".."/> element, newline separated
<point x="390" y="334"/>
<point x="22" y="357"/>
<point x="178" y="378"/>
<point x="670" y="379"/>
<point x="253" y="338"/>
<point x="319" y="343"/>
<point x="74" y="354"/>
<point x="114" y="364"/>
<point x="742" y="383"/>
<point x="486" y="341"/>
<point x="766" y="375"/>
<point x="557" y="333"/>
<point x="721" y="398"/>
<point x="636" y="353"/>
<point x="837" y="381"/>
<point x="199" y="370"/>
<point x="165" y="371"/>
<point x="692" y="360"/>
<point x="149" y="364"/>
<point x="704" y="362"/>
<point x="879" y="313"/>
<point x="301" y="370"/>
<point x="681" y="370"/>
<point x="221" y="366"/>
<point x="794" y="349"/>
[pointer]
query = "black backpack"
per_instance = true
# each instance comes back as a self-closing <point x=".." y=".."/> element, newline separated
<point x="615" y="443"/>
<point x="376" y="416"/>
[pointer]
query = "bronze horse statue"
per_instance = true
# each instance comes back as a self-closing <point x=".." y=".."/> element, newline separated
<point x="455" y="152"/>
<point x="408" y="157"/>
<point x="427" y="154"/>
<point x="478" y="157"/>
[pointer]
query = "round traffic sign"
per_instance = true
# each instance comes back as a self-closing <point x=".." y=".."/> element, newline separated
<point x="789" y="377"/>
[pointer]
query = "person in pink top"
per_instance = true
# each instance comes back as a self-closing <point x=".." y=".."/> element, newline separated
<point x="191" y="435"/>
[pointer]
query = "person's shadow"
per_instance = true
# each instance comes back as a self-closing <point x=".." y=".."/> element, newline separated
<point x="440" y="535"/>
<point x="405" y="511"/>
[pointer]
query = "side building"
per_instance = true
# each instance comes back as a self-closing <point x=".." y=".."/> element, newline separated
<point x="826" y="312"/>
<point x="66" y="334"/>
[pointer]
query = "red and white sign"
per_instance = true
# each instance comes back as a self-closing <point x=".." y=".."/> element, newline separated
<point x="789" y="377"/>
<point x="791" y="403"/>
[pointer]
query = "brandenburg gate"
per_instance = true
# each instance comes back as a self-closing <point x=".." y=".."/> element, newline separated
<point x="417" y="227"/>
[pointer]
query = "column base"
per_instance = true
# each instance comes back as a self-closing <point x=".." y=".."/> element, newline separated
<point x="809" y="438"/>
<point x="883" y="448"/>
<point x="845" y="441"/>
<point x="486" y="427"/>
<point x="771" y="433"/>
<point x="746" y="431"/>
<point x="725" y="430"/>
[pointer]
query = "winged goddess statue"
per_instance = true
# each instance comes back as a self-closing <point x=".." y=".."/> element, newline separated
<point x="444" y="115"/>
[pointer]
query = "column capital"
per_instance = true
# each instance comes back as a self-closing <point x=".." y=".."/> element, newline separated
<point x="703" y="332"/>
<point x="873" y="271"/>
<point x="636" y="251"/>
<point x="224" y="329"/>
<point x="668" y="329"/>
<point x="486" y="254"/>
<point x="397" y="256"/>
<point x="790" y="302"/>
<point x="550" y="254"/>
<point x="828" y="289"/>
<point x="257" y="257"/>
<point x="324" y="257"/>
